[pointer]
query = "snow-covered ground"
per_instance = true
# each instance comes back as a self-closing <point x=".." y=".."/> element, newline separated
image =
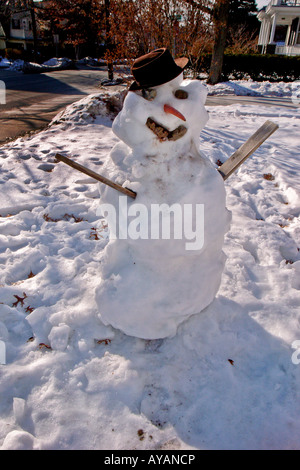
<point x="229" y="379"/>
<point x="251" y="88"/>
<point x="4" y="63"/>
<point x="18" y="64"/>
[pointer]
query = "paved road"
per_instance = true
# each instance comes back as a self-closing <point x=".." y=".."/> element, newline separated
<point x="32" y="100"/>
<point x="250" y="100"/>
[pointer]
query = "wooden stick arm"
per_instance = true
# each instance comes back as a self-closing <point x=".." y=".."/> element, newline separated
<point x="94" y="175"/>
<point x="249" y="147"/>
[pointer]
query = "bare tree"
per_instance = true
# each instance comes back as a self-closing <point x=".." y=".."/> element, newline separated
<point x="34" y="29"/>
<point x="134" y="27"/>
<point x="220" y="14"/>
<point x="9" y="7"/>
<point x="108" y="39"/>
<point x="78" y="22"/>
<point x="241" y="40"/>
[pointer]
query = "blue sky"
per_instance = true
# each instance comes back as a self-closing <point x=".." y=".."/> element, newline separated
<point x="262" y="3"/>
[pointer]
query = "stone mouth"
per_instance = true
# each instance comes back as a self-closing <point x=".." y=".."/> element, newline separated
<point x="164" y="134"/>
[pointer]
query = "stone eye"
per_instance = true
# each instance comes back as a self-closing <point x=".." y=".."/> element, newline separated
<point x="149" y="94"/>
<point x="181" y="94"/>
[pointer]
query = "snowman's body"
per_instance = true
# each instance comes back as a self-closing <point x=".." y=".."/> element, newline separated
<point x="150" y="281"/>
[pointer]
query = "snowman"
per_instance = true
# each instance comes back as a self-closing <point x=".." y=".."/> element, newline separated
<point x="164" y="259"/>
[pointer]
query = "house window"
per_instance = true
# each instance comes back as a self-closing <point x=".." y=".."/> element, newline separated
<point x="15" y="24"/>
<point x="280" y="33"/>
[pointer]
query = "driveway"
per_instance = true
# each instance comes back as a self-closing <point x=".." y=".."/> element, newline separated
<point x="32" y="100"/>
<point x="223" y="100"/>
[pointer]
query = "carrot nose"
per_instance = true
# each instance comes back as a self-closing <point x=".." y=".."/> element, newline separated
<point x="169" y="109"/>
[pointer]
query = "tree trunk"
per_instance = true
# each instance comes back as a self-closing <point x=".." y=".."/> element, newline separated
<point x="110" y="65"/>
<point x="34" y="31"/>
<point x="220" y="18"/>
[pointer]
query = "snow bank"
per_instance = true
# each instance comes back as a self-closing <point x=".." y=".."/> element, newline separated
<point x="92" y="61"/>
<point x="62" y="61"/>
<point x="4" y="63"/>
<point x="225" y="381"/>
<point x="104" y="104"/>
<point x="251" y="88"/>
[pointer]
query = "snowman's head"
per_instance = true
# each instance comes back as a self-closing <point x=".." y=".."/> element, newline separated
<point x="161" y="116"/>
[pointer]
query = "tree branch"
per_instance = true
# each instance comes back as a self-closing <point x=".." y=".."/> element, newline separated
<point x="200" y="6"/>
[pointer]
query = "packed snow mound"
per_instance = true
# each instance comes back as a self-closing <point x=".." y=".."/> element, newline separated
<point x="55" y="61"/>
<point x="91" y="61"/>
<point x="17" y="65"/>
<point x="252" y="88"/>
<point x="50" y="66"/>
<point x="86" y="110"/>
<point x="4" y="63"/>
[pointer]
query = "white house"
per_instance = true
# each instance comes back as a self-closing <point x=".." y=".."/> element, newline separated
<point x="280" y="27"/>
<point x="2" y="38"/>
<point x="21" y="35"/>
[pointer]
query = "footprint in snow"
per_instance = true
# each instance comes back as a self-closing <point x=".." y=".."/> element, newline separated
<point x="48" y="167"/>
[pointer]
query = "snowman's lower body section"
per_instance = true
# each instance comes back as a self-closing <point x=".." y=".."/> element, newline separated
<point x="149" y="298"/>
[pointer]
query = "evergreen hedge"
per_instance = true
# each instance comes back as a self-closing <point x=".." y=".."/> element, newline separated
<point x="257" y="67"/>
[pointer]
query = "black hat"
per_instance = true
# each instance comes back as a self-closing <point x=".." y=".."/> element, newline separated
<point x="156" y="68"/>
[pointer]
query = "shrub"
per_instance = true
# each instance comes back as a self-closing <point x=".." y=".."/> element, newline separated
<point x="13" y="53"/>
<point x="256" y="67"/>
